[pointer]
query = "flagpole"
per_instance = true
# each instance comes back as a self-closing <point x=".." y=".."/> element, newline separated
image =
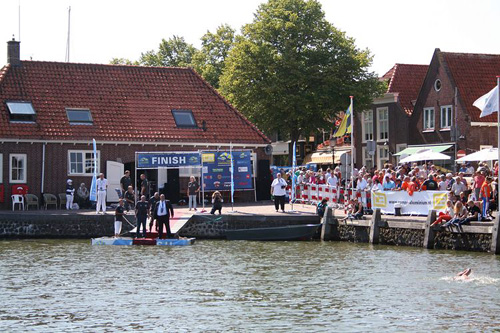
<point x="498" y="139"/>
<point x="232" y="175"/>
<point x="352" y="147"/>
<point x="294" y="165"/>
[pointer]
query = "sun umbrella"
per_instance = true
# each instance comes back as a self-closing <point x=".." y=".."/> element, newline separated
<point x="488" y="154"/>
<point x="424" y="155"/>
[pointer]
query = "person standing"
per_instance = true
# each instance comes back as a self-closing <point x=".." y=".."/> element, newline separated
<point x="141" y="214"/>
<point x="485" y="194"/>
<point x="192" y="190"/>
<point x="119" y="218"/>
<point x="125" y="182"/>
<point x="144" y="186"/>
<point x="161" y="215"/>
<point x="129" y="197"/>
<point x="278" y="189"/>
<point x="70" y="193"/>
<point x="102" y="186"/>
<point x="152" y="204"/>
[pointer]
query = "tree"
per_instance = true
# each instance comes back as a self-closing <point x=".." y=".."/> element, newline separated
<point x="173" y="52"/>
<point x="209" y="61"/>
<point x="291" y="70"/>
<point x="123" y="61"/>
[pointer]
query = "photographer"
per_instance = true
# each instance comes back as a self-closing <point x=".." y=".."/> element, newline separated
<point x="278" y="189"/>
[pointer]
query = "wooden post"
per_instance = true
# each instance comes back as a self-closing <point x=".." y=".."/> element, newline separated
<point x="326" y="228"/>
<point x="495" y="237"/>
<point x="374" y="227"/>
<point x="429" y="230"/>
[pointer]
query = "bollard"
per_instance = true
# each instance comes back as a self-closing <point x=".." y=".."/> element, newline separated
<point x="327" y="224"/>
<point x="429" y="230"/>
<point x="495" y="237"/>
<point x="375" y="227"/>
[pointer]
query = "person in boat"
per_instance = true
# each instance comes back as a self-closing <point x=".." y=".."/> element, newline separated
<point x="120" y="210"/>
<point x="141" y="213"/>
<point x="216" y="203"/>
<point x="321" y="208"/>
<point x="463" y="274"/>
<point x="161" y="215"/>
<point x="152" y="203"/>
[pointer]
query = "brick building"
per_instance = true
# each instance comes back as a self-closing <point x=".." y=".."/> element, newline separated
<point x="443" y="117"/>
<point x="387" y="121"/>
<point x="50" y="112"/>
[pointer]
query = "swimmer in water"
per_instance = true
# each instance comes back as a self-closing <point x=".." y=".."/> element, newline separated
<point x="463" y="274"/>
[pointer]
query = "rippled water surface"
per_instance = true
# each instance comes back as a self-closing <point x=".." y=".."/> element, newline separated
<point x="63" y="285"/>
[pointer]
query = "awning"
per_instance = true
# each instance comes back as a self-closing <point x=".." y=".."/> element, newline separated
<point x="280" y="148"/>
<point x="327" y="158"/>
<point x="414" y="149"/>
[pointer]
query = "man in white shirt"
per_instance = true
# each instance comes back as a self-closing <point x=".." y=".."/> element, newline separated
<point x="278" y="189"/>
<point x="102" y="185"/>
<point x="332" y="181"/>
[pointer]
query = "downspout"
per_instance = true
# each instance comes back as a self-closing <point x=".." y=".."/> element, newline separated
<point x="455" y="130"/>
<point x="42" y="189"/>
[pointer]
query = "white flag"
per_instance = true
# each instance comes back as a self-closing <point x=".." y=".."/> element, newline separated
<point x="488" y="103"/>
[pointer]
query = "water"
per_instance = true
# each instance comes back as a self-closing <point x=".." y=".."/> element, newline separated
<point x="68" y="285"/>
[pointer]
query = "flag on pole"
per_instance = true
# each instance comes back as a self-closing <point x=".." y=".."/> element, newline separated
<point x="294" y="165"/>
<point x="488" y="103"/>
<point x="232" y="172"/>
<point x="345" y="126"/>
<point x="93" y="185"/>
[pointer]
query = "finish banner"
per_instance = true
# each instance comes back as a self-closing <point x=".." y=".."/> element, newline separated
<point x="420" y="203"/>
<point x="217" y="170"/>
<point x="168" y="160"/>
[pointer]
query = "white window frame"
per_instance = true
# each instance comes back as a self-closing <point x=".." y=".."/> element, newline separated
<point x="400" y="147"/>
<point x="24" y="179"/>
<point x="83" y="152"/>
<point x="381" y="161"/>
<point x="426" y="124"/>
<point x="447" y="112"/>
<point x="367" y="157"/>
<point x="1" y="168"/>
<point x="367" y="125"/>
<point x="380" y="120"/>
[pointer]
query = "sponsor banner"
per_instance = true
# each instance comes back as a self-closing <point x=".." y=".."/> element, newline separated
<point x="420" y="203"/>
<point x="168" y="160"/>
<point x="217" y="170"/>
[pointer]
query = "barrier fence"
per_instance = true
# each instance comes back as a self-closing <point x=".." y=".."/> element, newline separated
<point x="335" y="196"/>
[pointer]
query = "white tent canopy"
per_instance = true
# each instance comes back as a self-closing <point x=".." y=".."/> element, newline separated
<point x="488" y="154"/>
<point x="425" y="155"/>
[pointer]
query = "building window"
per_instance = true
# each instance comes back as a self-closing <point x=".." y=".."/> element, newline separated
<point x="399" y="148"/>
<point x="17" y="164"/>
<point x="446" y="117"/>
<point x="21" y="112"/>
<point x="383" y="156"/>
<point x="382" y="124"/>
<point x="81" y="162"/>
<point x="79" y="116"/>
<point x="367" y="159"/>
<point x="437" y="85"/>
<point x="367" y="125"/>
<point x="429" y="119"/>
<point x="184" y="118"/>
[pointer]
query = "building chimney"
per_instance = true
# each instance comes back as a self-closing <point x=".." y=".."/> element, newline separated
<point x="13" y="52"/>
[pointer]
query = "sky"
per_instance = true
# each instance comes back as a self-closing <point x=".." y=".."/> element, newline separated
<point x="394" y="31"/>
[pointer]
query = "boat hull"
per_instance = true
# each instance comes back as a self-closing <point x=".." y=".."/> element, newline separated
<point x="143" y="241"/>
<point x="285" y="233"/>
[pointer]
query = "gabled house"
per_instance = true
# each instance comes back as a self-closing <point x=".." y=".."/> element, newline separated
<point x="444" y="117"/>
<point x="51" y="111"/>
<point x="386" y="123"/>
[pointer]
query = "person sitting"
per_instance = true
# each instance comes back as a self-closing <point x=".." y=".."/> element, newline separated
<point x="321" y="208"/>
<point x="459" y="213"/>
<point x="446" y="215"/>
<point x="355" y="210"/>
<point x="129" y="198"/>
<point x="474" y="214"/>
<point x="216" y="203"/>
<point x="82" y="196"/>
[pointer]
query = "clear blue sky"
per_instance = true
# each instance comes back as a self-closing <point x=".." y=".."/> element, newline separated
<point x="394" y="31"/>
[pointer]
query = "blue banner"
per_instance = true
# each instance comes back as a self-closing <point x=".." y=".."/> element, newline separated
<point x="168" y="160"/>
<point x="217" y="170"/>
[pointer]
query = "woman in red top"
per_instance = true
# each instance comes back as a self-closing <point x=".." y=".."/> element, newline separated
<point x="478" y="182"/>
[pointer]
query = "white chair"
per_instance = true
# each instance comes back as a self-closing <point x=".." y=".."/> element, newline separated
<point x="17" y="199"/>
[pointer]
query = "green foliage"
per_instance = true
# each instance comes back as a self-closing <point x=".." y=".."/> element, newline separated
<point x="123" y="61"/>
<point x="173" y="52"/>
<point x="209" y="61"/>
<point x="291" y="70"/>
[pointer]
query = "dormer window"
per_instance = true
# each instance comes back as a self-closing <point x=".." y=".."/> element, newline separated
<point x="22" y="112"/>
<point x="184" y="119"/>
<point x="79" y="116"/>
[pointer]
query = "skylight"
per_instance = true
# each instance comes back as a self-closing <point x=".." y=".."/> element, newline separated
<point x="21" y="112"/>
<point x="79" y="116"/>
<point x="184" y="118"/>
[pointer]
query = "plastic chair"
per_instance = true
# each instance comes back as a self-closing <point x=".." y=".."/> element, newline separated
<point x="31" y="200"/>
<point x="17" y="199"/>
<point x="49" y="199"/>
<point x="62" y="200"/>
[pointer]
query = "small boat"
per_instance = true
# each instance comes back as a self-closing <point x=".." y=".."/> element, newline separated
<point x="143" y="241"/>
<point x="284" y="233"/>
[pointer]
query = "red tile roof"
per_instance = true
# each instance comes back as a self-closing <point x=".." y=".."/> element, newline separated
<point x="127" y="103"/>
<point x="406" y="80"/>
<point x="474" y="75"/>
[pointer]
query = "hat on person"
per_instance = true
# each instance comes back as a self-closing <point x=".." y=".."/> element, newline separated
<point x="82" y="184"/>
<point x="449" y="174"/>
<point x="69" y="181"/>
